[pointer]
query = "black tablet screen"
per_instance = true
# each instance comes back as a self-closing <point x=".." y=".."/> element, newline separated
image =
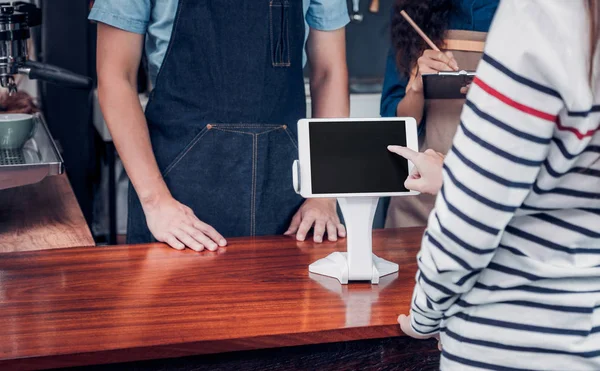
<point x="352" y="157"/>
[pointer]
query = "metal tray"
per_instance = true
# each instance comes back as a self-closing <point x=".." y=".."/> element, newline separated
<point x="38" y="159"/>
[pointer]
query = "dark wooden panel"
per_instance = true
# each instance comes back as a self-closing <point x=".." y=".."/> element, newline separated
<point x="42" y="216"/>
<point x="399" y="353"/>
<point x="74" y="307"/>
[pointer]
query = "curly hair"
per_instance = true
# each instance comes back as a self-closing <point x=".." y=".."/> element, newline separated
<point x="432" y="16"/>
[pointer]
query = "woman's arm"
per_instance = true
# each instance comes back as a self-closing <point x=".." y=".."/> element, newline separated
<point x="397" y="99"/>
<point x="118" y="60"/>
<point x="507" y="125"/>
<point x="394" y="87"/>
<point x="402" y="97"/>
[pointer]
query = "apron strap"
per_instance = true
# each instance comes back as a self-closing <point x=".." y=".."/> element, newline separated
<point x="468" y="41"/>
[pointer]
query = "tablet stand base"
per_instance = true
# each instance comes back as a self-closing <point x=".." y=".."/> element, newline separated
<point x="358" y="263"/>
<point x="336" y="265"/>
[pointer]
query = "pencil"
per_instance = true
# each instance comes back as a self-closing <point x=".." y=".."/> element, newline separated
<point x="419" y="31"/>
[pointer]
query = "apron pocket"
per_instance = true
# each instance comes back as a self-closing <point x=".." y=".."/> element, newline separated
<point x="279" y="29"/>
<point x="291" y="135"/>
<point x="237" y="178"/>
<point x="186" y="150"/>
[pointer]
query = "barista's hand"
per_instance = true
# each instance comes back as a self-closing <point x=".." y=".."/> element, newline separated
<point x="320" y="213"/>
<point x="426" y="176"/>
<point x="404" y="322"/>
<point x="431" y="62"/>
<point x="175" y="224"/>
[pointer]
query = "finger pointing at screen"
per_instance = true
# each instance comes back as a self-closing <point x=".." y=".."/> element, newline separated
<point x="426" y="176"/>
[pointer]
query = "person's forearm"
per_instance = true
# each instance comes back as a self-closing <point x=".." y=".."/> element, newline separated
<point x="329" y="93"/>
<point x="412" y="105"/>
<point x="127" y="124"/>
<point x="330" y="96"/>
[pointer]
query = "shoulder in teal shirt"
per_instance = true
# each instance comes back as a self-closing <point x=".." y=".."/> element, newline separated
<point x="155" y="18"/>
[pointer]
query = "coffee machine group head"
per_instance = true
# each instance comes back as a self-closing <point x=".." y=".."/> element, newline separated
<point x="16" y="20"/>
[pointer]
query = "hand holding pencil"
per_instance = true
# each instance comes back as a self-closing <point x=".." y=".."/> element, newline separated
<point x="432" y="61"/>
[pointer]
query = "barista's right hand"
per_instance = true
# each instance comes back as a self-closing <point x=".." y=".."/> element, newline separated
<point x="431" y="62"/>
<point x="173" y="223"/>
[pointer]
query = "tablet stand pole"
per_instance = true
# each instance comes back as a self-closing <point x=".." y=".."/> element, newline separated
<point x="358" y="263"/>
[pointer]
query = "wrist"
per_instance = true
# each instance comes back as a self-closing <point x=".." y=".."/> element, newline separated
<point x="150" y="197"/>
<point x="323" y="201"/>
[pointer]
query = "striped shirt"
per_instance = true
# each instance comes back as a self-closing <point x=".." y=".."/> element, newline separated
<point x="509" y="268"/>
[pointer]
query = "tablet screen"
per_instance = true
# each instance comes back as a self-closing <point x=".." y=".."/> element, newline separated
<point x="352" y="157"/>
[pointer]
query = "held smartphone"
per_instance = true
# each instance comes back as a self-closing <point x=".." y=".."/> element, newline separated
<point x="446" y="85"/>
<point x="349" y="157"/>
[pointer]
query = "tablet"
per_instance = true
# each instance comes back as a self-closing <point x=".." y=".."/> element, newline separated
<point x="446" y="85"/>
<point x="349" y="157"/>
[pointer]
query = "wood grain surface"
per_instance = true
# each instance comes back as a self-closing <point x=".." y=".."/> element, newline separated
<point x="39" y="216"/>
<point x="394" y="354"/>
<point x="76" y="307"/>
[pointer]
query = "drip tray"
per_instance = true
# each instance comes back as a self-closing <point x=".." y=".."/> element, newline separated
<point x="12" y="157"/>
<point x="38" y="159"/>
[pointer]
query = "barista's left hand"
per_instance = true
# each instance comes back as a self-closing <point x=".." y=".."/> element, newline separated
<point x="320" y="214"/>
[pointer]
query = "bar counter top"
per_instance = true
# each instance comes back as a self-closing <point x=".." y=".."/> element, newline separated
<point x="93" y="306"/>
<point x="42" y="216"/>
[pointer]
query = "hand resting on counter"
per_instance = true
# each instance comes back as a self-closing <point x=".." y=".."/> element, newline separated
<point x="320" y="213"/>
<point x="426" y="176"/>
<point x="173" y="223"/>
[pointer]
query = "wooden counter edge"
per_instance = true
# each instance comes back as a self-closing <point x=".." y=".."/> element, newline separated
<point x="169" y="351"/>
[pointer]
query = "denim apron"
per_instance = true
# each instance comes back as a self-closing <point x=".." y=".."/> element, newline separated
<point x="223" y="115"/>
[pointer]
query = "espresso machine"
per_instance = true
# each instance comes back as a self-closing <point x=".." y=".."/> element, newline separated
<point x="16" y="19"/>
<point x="40" y="156"/>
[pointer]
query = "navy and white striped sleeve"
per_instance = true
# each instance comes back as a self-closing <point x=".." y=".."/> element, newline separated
<point x="504" y="137"/>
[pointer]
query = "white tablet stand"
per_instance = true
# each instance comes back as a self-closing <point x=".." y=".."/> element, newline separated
<point x="358" y="207"/>
<point x="358" y="263"/>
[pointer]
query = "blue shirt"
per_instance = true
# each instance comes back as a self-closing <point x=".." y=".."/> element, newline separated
<point x="155" y="18"/>
<point x="471" y="15"/>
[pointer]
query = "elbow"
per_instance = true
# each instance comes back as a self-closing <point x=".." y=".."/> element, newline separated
<point x="106" y="84"/>
<point x="331" y="74"/>
<point x="103" y="85"/>
<point x="109" y="82"/>
<point x="115" y="73"/>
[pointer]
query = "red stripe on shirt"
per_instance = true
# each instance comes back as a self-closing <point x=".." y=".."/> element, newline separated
<point x="579" y="134"/>
<point x="531" y="111"/>
<point x="521" y="107"/>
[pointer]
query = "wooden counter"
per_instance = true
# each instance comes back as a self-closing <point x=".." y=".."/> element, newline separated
<point x="77" y="307"/>
<point x="40" y="216"/>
